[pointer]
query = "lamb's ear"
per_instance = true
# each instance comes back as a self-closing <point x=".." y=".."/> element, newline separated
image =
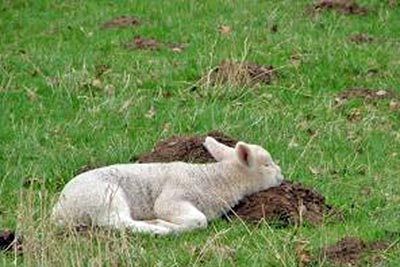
<point x="218" y="150"/>
<point x="244" y="154"/>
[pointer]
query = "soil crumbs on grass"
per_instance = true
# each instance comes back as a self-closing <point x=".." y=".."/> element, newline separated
<point x="287" y="204"/>
<point x="360" y="38"/>
<point x="364" y="93"/>
<point x="347" y="7"/>
<point x="143" y="43"/>
<point x="239" y="74"/>
<point x="121" y="22"/>
<point x="185" y="148"/>
<point x="350" y="251"/>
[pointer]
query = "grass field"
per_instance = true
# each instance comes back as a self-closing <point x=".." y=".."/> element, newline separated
<point x="71" y="95"/>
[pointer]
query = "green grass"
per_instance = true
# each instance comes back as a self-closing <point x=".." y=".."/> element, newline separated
<point x="53" y="121"/>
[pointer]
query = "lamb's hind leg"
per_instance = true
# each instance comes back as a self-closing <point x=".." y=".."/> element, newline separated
<point x="180" y="216"/>
<point x="117" y="216"/>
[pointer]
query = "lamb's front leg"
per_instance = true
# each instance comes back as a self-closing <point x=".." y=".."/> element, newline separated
<point x="180" y="216"/>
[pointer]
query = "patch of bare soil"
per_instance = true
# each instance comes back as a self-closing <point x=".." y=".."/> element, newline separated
<point x="185" y="148"/>
<point x="10" y="242"/>
<point x="360" y="38"/>
<point x="143" y="43"/>
<point x="239" y="74"/>
<point x="349" y="251"/>
<point x="364" y="93"/>
<point x="287" y="204"/>
<point x="347" y="7"/>
<point x="121" y="22"/>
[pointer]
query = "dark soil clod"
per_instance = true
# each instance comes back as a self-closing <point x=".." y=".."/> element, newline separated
<point x="287" y="204"/>
<point x="347" y="7"/>
<point x="188" y="149"/>
<point x="239" y="74"/>
<point x="364" y="93"/>
<point x="349" y="250"/>
<point x="9" y="241"/>
<point x="121" y="22"/>
<point x="143" y="44"/>
<point x="361" y="38"/>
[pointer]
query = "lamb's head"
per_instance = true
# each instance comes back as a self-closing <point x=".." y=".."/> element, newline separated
<point x="255" y="159"/>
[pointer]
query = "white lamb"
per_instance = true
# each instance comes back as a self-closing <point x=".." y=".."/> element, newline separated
<point x="164" y="198"/>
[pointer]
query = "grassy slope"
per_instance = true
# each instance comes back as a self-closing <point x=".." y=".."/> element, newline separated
<point x="52" y="124"/>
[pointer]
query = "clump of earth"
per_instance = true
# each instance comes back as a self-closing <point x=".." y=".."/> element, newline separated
<point x="347" y="7"/>
<point x="290" y="203"/>
<point x="361" y="38"/>
<point x="151" y="44"/>
<point x="143" y="43"/>
<point x="10" y="242"/>
<point x="350" y="251"/>
<point x="365" y="93"/>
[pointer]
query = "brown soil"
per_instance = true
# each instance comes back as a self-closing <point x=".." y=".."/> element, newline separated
<point x="360" y="38"/>
<point x="364" y="93"/>
<point x="350" y="251"/>
<point x="347" y="7"/>
<point x="239" y="74"/>
<point x="186" y="148"/>
<point x="287" y="204"/>
<point x="121" y="22"/>
<point x="9" y="241"/>
<point x="143" y="44"/>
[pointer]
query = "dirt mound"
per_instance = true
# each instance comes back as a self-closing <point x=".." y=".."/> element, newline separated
<point x="351" y="250"/>
<point x="143" y="43"/>
<point x="239" y="74"/>
<point x="364" y="93"/>
<point x="9" y="241"/>
<point x="287" y="204"/>
<point x="121" y="22"/>
<point x="186" y="148"/>
<point x="360" y="38"/>
<point x="347" y="7"/>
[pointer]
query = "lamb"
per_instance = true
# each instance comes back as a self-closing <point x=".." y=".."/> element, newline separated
<point x="165" y="198"/>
